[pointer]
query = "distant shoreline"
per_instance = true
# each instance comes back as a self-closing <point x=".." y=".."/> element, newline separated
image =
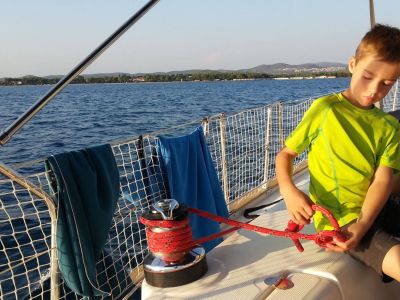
<point x="278" y="71"/>
<point x="195" y="77"/>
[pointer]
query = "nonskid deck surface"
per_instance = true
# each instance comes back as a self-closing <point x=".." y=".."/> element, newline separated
<point x="244" y="265"/>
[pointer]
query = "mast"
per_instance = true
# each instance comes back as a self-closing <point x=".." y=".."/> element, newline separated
<point x="372" y="22"/>
<point x="371" y="13"/>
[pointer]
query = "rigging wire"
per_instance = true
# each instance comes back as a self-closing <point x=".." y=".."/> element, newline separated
<point x="8" y="133"/>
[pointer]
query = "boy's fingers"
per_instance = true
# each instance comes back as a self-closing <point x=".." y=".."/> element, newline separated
<point x="293" y="217"/>
<point x="309" y="211"/>
<point x="344" y="246"/>
<point x="301" y="218"/>
<point x="334" y="249"/>
<point x="306" y="216"/>
<point x="330" y="247"/>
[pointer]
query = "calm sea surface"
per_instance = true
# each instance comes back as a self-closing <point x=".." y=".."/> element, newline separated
<point x="87" y="115"/>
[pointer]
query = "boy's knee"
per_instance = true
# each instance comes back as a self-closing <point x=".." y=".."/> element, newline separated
<point x="391" y="263"/>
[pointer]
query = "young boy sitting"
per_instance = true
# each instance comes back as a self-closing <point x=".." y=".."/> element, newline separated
<point x="353" y="153"/>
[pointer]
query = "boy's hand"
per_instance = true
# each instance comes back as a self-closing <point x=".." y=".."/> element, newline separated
<point x="299" y="207"/>
<point x="297" y="203"/>
<point x="354" y="233"/>
<point x="378" y="193"/>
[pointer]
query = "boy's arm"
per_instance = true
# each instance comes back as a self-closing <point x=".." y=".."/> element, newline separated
<point x="297" y="203"/>
<point x="375" y="199"/>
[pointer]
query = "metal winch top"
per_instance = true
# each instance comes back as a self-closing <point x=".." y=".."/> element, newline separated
<point x="159" y="269"/>
<point x="166" y="209"/>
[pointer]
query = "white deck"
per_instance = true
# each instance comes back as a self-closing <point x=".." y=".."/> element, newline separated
<point x="240" y="264"/>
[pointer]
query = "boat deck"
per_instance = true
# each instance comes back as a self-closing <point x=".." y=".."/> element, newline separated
<point x="246" y="264"/>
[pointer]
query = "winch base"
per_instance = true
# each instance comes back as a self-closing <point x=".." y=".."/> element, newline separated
<point x="160" y="274"/>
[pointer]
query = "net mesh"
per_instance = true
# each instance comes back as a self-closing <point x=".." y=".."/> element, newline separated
<point x="243" y="147"/>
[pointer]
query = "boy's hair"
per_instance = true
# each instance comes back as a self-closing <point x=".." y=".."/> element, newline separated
<point x="382" y="41"/>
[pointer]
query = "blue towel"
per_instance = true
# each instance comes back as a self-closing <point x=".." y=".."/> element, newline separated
<point x="87" y="182"/>
<point x="192" y="180"/>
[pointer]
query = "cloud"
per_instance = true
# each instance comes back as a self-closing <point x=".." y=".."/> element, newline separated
<point x="212" y="58"/>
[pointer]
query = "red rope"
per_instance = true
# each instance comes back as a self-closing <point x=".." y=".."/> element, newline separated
<point x="177" y="240"/>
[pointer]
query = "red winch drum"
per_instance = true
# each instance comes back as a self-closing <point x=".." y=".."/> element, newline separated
<point x="164" y="267"/>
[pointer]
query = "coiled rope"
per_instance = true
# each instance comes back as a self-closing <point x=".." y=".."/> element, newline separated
<point x="177" y="238"/>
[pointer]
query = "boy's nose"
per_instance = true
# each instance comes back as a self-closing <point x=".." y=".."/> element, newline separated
<point x="373" y="89"/>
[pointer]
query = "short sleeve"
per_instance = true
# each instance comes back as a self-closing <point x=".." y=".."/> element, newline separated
<point x="308" y="128"/>
<point x="391" y="153"/>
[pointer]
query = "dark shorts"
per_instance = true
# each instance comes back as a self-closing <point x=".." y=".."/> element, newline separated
<point x="380" y="238"/>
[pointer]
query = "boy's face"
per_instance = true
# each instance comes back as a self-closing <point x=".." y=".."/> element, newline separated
<point x="371" y="80"/>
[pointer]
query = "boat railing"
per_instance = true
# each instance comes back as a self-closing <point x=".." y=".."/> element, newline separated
<point x="243" y="147"/>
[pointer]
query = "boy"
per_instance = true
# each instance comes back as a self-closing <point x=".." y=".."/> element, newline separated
<point x="353" y="152"/>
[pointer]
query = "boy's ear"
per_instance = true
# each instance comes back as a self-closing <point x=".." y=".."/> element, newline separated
<point x="352" y="64"/>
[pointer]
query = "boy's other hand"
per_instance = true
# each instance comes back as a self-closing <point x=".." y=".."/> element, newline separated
<point x="299" y="207"/>
<point x="353" y="233"/>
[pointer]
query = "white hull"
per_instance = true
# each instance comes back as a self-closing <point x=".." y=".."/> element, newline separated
<point x="239" y="266"/>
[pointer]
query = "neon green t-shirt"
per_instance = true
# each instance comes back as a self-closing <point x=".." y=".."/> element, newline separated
<point x="346" y="144"/>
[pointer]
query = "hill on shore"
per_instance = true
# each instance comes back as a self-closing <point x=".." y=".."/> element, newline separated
<point x="273" y="69"/>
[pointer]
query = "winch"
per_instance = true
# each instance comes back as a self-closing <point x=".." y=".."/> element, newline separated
<point x="176" y="259"/>
<point x="170" y="263"/>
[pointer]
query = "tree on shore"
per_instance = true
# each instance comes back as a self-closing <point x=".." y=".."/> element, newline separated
<point x="163" y="77"/>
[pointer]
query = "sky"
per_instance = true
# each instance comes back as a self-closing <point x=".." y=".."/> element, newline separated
<point x="50" y="37"/>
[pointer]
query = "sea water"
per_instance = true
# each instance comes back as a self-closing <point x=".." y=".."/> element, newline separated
<point x="85" y="115"/>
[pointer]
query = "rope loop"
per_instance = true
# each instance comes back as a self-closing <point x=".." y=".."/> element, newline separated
<point x="321" y="238"/>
